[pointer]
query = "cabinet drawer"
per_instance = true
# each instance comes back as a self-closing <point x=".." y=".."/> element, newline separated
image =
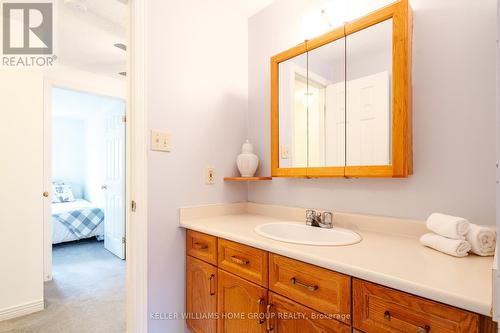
<point x="287" y="316"/>
<point x="201" y="246"/>
<point x="318" y="288"/>
<point x="380" y="309"/>
<point x="245" y="261"/>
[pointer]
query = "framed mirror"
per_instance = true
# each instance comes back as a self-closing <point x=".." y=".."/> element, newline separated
<point x="341" y="103"/>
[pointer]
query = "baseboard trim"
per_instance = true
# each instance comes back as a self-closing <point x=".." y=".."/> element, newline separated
<point x="21" y="310"/>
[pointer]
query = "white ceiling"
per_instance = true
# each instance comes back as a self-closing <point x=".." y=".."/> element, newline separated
<point x="86" y="31"/>
<point x="247" y="7"/>
<point x="85" y="34"/>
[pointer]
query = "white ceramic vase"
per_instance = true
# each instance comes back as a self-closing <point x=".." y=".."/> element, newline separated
<point x="247" y="161"/>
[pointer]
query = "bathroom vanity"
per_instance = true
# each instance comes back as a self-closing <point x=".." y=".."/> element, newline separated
<point x="243" y="282"/>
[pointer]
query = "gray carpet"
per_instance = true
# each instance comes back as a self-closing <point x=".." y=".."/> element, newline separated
<point x="87" y="293"/>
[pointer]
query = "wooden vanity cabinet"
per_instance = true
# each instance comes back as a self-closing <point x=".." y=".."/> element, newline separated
<point x="249" y="290"/>
<point x="363" y="111"/>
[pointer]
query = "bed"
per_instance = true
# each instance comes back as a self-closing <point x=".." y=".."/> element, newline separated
<point x="63" y="213"/>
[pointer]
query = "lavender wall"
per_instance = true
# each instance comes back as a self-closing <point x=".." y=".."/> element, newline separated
<point x="197" y="90"/>
<point x="454" y="115"/>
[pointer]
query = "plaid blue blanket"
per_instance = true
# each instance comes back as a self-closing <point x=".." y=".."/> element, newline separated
<point x="82" y="221"/>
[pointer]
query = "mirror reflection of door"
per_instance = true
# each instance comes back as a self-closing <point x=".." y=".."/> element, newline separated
<point x="368" y="102"/>
<point x="326" y="126"/>
<point x="308" y="141"/>
<point x="299" y="142"/>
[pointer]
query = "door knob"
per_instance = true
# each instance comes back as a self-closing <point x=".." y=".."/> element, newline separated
<point x="46" y="194"/>
<point x="104" y="187"/>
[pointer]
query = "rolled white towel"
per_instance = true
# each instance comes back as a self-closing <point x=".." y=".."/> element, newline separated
<point x="448" y="226"/>
<point x="482" y="239"/>
<point x="453" y="247"/>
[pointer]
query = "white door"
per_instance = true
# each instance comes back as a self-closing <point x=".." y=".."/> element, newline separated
<point x="316" y="125"/>
<point x="335" y="125"/>
<point x="21" y="189"/>
<point x="114" y="186"/>
<point x="368" y="120"/>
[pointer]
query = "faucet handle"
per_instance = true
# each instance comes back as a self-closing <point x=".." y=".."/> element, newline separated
<point x="310" y="214"/>
<point x="327" y="217"/>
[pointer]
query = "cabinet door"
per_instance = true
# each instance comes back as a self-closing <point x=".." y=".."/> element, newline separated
<point x="287" y="316"/>
<point x="201" y="296"/>
<point x="240" y="304"/>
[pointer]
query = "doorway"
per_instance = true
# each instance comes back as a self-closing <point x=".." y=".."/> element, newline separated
<point x="88" y="163"/>
<point x="85" y="219"/>
<point x="28" y="271"/>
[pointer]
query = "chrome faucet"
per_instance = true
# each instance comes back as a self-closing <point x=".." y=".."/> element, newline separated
<point x="318" y="219"/>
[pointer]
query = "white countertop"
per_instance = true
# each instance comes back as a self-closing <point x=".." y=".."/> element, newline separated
<point x="396" y="261"/>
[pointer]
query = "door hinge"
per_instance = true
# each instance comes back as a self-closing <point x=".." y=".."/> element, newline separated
<point x="124" y="240"/>
<point x="124" y="119"/>
<point x="133" y="205"/>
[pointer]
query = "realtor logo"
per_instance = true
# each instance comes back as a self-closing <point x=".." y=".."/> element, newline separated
<point x="27" y="28"/>
<point x="27" y="34"/>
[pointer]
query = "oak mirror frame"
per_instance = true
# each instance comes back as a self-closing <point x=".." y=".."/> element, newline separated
<point x="400" y="98"/>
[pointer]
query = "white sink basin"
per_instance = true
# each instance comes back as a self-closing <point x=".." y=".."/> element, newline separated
<point x="300" y="233"/>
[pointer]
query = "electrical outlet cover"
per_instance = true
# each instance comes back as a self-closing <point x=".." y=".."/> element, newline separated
<point x="210" y="176"/>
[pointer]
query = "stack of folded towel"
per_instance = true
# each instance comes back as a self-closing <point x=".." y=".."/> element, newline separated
<point x="456" y="236"/>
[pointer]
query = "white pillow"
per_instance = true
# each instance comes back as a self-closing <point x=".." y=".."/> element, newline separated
<point x="62" y="193"/>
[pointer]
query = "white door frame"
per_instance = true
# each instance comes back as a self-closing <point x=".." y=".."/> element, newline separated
<point x="63" y="79"/>
<point x="136" y="162"/>
<point x="137" y="176"/>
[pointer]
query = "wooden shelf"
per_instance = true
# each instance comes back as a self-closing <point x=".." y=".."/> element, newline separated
<point x="243" y="179"/>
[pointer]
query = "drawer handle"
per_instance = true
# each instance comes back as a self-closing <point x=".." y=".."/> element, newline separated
<point x="296" y="282"/>
<point x="269" y="327"/>
<point x="423" y="329"/>
<point x="239" y="261"/>
<point x="420" y="329"/>
<point x="200" y="246"/>
<point x="211" y="279"/>
<point x="262" y="316"/>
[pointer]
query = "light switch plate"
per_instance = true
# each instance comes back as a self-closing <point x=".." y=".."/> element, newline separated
<point x="160" y="141"/>
<point x="284" y="152"/>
